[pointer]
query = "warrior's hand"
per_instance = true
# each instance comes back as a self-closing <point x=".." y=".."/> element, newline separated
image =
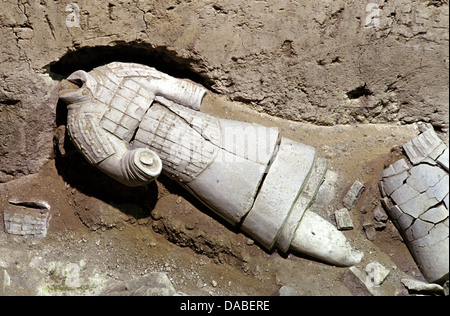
<point x="140" y="166"/>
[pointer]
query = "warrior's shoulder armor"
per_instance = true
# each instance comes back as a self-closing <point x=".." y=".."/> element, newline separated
<point x="89" y="137"/>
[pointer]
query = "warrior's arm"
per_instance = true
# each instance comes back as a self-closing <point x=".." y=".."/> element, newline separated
<point x="132" y="167"/>
<point x="180" y="91"/>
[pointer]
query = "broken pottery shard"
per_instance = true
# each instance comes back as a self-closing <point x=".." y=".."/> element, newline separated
<point x="427" y="144"/>
<point x="404" y="194"/>
<point x="418" y="229"/>
<point x="353" y="195"/>
<point x="382" y="189"/>
<point x="380" y="215"/>
<point x="396" y="168"/>
<point x="423" y="176"/>
<point x="443" y="160"/>
<point x="417" y="286"/>
<point x="31" y="204"/>
<point x="435" y="215"/>
<point x="418" y="205"/>
<point x="394" y="212"/>
<point x="417" y="202"/>
<point x="343" y="219"/>
<point x="26" y="222"/>
<point x="386" y="203"/>
<point x="440" y="190"/>
<point x="431" y="253"/>
<point x="369" y="229"/>
<point x="392" y="183"/>
<point x="134" y="122"/>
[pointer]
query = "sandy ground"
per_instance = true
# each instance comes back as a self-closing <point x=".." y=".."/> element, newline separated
<point x="108" y="233"/>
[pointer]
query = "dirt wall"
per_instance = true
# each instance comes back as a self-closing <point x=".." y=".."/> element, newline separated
<point x="325" y="63"/>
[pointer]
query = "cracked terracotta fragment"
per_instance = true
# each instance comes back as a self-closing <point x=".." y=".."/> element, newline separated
<point x="420" y="203"/>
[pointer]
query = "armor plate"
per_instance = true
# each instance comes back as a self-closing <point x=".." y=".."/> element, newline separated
<point x="89" y="138"/>
<point x="185" y="140"/>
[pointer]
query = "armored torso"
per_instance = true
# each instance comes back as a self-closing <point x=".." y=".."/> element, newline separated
<point x="187" y="141"/>
<point x="126" y="93"/>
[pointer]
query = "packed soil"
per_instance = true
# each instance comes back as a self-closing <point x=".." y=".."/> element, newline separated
<point x="113" y="233"/>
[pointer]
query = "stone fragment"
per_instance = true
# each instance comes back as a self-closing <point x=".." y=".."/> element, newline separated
<point x="376" y="273"/>
<point x="26" y="222"/>
<point x="380" y="225"/>
<point x="380" y="215"/>
<point x="343" y="219"/>
<point x="369" y="229"/>
<point x="358" y="283"/>
<point x="71" y="273"/>
<point x="416" y="286"/>
<point x="353" y="195"/>
<point x="152" y="284"/>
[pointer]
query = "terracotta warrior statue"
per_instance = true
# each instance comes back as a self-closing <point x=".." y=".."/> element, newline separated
<point x="134" y="122"/>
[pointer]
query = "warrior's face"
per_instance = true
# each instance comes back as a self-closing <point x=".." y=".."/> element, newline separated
<point x="78" y="87"/>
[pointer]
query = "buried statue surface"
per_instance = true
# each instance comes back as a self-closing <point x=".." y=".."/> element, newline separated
<point x="134" y="122"/>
